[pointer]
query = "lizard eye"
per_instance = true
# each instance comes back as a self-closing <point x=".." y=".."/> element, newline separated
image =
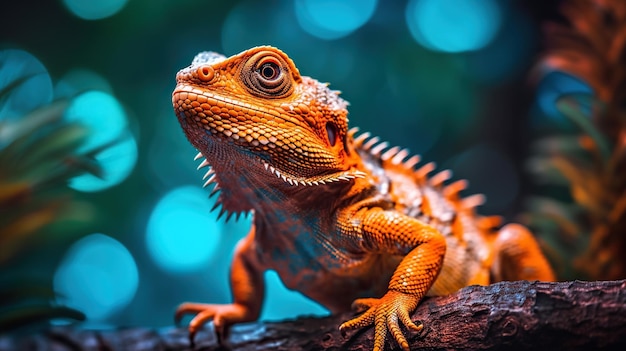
<point x="331" y="132"/>
<point x="266" y="75"/>
<point x="269" y="75"/>
<point x="269" y="71"/>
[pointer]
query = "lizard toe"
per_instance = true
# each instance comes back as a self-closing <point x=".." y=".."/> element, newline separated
<point x="361" y="321"/>
<point x="188" y="308"/>
<point x="403" y="316"/>
<point x="394" y="330"/>
<point x="380" y="333"/>
<point x="221" y="315"/>
<point x="200" y="319"/>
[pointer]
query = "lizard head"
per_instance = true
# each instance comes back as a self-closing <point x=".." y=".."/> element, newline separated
<point x="254" y="110"/>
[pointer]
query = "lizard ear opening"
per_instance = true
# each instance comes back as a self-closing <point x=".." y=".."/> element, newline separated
<point x="331" y="133"/>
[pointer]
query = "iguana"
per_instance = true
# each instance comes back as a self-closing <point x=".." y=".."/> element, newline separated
<point x="340" y="216"/>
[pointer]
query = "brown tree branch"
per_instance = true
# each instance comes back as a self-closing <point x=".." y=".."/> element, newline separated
<point x="513" y="315"/>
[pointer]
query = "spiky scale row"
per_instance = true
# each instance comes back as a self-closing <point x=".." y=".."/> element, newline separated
<point x="438" y="179"/>
<point x="204" y="163"/>
<point x="473" y="201"/>
<point x="358" y="141"/>
<point x="344" y="176"/>
<point x="208" y="173"/>
<point x="212" y="179"/>
<point x="390" y="153"/>
<point x="397" y="156"/>
<point x="370" y="143"/>
<point x="412" y="161"/>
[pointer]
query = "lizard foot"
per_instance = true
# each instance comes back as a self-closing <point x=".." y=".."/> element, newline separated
<point x="385" y="313"/>
<point x="221" y="315"/>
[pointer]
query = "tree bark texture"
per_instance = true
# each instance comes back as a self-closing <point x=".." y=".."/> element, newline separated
<point x="509" y="315"/>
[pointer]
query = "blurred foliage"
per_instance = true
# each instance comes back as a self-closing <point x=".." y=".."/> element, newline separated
<point x="38" y="155"/>
<point x="586" y="230"/>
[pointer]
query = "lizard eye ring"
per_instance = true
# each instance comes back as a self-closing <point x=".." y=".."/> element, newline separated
<point x="266" y="75"/>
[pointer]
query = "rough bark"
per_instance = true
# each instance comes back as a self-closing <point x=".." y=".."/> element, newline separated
<point x="513" y="315"/>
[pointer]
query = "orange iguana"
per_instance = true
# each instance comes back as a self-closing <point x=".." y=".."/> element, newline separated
<point x="341" y="218"/>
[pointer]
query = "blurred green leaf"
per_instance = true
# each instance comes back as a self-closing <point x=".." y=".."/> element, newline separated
<point x="546" y="172"/>
<point x="39" y="153"/>
<point x="556" y="214"/>
<point x="571" y="106"/>
<point x="36" y="121"/>
<point x="558" y="145"/>
<point x="6" y="90"/>
<point x="55" y="146"/>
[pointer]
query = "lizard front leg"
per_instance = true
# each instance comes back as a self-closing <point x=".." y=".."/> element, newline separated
<point x="246" y="279"/>
<point x="390" y="232"/>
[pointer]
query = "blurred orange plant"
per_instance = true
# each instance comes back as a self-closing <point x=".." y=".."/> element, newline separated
<point x="592" y="162"/>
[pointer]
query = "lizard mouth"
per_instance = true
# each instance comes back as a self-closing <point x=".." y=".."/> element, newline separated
<point x="317" y="180"/>
<point x="341" y="176"/>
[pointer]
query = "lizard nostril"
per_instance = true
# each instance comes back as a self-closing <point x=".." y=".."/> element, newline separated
<point x="205" y="73"/>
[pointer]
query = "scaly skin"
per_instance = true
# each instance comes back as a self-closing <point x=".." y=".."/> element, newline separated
<point x="342" y="219"/>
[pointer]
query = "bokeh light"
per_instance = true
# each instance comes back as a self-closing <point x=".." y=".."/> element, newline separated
<point x="34" y="92"/>
<point x="554" y="85"/>
<point x="281" y="303"/>
<point x="451" y="25"/>
<point x="117" y="162"/>
<point x="97" y="276"/>
<point x="94" y="10"/>
<point x="279" y="28"/>
<point x="101" y="113"/>
<point x="182" y="235"/>
<point x="106" y="119"/>
<point x="79" y="80"/>
<point x="506" y="55"/>
<point x="333" y="19"/>
<point x="490" y="172"/>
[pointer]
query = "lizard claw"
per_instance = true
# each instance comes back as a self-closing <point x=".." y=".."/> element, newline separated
<point x="386" y="314"/>
<point x="221" y="315"/>
<point x="192" y="336"/>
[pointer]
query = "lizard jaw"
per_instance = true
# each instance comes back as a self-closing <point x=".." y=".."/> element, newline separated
<point x="210" y="178"/>
<point x="314" y="181"/>
<point x="311" y="181"/>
